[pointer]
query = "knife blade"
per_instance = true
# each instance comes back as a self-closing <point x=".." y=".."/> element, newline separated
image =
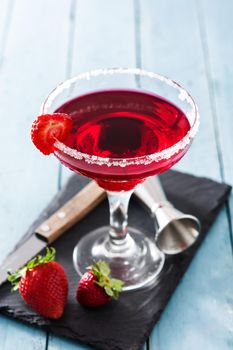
<point x="53" y="227"/>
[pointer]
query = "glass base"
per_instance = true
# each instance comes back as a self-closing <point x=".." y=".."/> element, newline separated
<point x="136" y="260"/>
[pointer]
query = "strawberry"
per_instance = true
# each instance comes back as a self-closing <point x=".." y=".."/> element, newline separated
<point x="43" y="285"/>
<point x="48" y="128"/>
<point x="96" y="288"/>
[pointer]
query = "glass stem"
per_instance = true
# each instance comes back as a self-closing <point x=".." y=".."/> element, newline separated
<point x="118" y="204"/>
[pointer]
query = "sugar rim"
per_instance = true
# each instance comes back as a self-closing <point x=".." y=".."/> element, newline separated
<point x="123" y="162"/>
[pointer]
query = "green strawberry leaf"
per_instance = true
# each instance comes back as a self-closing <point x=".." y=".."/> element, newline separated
<point x="117" y="284"/>
<point x="113" y="286"/>
<point x="103" y="268"/>
<point x="109" y="291"/>
<point x="38" y="260"/>
<point x="15" y="277"/>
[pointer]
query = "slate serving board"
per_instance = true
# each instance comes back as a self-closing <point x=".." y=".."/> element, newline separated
<point x="125" y="324"/>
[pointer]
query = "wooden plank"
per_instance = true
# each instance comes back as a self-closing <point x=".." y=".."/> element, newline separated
<point x="56" y="343"/>
<point x="216" y="25"/>
<point x="193" y="319"/>
<point x="30" y="69"/>
<point x="6" y="11"/>
<point x="17" y="336"/>
<point x="28" y="73"/>
<point x="216" y="29"/>
<point x="104" y="37"/>
<point x="171" y="46"/>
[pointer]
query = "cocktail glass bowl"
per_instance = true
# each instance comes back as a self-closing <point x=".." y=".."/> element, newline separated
<point x="131" y="254"/>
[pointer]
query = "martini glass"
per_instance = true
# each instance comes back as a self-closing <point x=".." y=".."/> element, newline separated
<point x="122" y="95"/>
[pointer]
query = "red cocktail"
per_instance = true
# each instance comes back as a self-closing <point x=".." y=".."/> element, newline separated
<point x="127" y="124"/>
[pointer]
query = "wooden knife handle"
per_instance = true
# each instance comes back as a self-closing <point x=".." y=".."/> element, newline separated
<point x="72" y="211"/>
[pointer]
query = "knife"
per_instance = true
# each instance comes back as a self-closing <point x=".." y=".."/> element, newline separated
<point x="53" y="227"/>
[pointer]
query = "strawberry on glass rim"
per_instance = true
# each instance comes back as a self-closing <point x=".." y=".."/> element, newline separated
<point x="47" y="128"/>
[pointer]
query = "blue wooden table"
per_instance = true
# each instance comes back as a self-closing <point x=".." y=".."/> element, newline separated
<point x="42" y="43"/>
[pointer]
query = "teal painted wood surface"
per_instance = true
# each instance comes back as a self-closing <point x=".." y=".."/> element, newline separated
<point x="30" y="67"/>
<point x="217" y="36"/>
<point x="44" y="42"/>
<point x="5" y="21"/>
<point x="199" y="315"/>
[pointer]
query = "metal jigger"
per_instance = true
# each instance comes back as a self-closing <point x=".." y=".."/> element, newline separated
<point x="175" y="231"/>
